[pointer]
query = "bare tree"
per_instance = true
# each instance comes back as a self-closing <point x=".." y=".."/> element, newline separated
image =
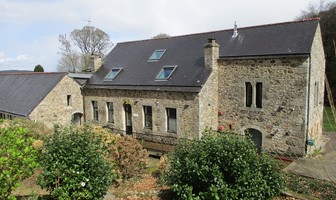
<point x="76" y="50"/>
<point x="315" y="9"/>
<point x="161" y="35"/>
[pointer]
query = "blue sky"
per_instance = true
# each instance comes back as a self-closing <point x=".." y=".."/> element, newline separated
<point x="29" y="29"/>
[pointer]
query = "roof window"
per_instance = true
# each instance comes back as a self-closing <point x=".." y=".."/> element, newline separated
<point x="156" y="55"/>
<point x="113" y="73"/>
<point x="166" y="72"/>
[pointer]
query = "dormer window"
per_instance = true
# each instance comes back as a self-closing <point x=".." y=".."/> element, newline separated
<point x="166" y="72"/>
<point x="156" y="55"/>
<point x="113" y="73"/>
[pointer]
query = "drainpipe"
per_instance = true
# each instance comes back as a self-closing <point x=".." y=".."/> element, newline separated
<point x="308" y="108"/>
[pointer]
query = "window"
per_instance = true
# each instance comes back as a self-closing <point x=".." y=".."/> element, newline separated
<point x="316" y="96"/>
<point x="109" y="106"/>
<point x="156" y="55"/>
<point x="249" y="93"/>
<point x="166" y="72"/>
<point x="113" y="73"/>
<point x="69" y="103"/>
<point x="148" y="117"/>
<point x="171" y="120"/>
<point x="259" y="95"/>
<point x="253" y="94"/>
<point x="95" y="110"/>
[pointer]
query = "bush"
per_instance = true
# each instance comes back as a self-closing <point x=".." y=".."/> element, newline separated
<point x="222" y="166"/>
<point x="74" y="165"/>
<point x="126" y="153"/>
<point x="18" y="159"/>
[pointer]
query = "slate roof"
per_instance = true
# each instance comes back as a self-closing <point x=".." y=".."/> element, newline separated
<point x="20" y="93"/>
<point x="187" y="52"/>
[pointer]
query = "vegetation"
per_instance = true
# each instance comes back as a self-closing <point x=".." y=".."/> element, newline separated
<point x="222" y="166"/>
<point x="311" y="187"/>
<point x="18" y="159"/>
<point x="125" y="152"/>
<point x="38" y="68"/>
<point x="76" y="50"/>
<point x="74" y="165"/>
<point x="329" y="123"/>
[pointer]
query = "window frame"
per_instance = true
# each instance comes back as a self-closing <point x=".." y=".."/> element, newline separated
<point x="162" y="71"/>
<point x="259" y="94"/>
<point x="110" y="112"/>
<point x="107" y="78"/>
<point x="69" y="100"/>
<point x="154" y="58"/>
<point x="95" y="111"/>
<point x="148" y="117"/>
<point x="170" y="117"/>
<point x="248" y="94"/>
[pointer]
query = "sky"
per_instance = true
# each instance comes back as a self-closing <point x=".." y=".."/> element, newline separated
<point x="29" y="29"/>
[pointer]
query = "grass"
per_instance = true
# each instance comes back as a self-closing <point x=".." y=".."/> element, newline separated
<point x="329" y="123"/>
<point x="319" y="189"/>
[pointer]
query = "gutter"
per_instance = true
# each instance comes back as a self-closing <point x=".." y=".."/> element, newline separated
<point x="308" y="105"/>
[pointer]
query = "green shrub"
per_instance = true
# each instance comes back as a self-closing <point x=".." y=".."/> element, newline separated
<point x="74" y="165"/>
<point x="18" y="159"/>
<point x="222" y="166"/>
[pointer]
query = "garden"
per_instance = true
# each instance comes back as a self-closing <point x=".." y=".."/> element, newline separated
<point x="93" y="163"/>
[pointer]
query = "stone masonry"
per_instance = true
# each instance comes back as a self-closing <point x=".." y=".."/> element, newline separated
<point x="54" y="108"/>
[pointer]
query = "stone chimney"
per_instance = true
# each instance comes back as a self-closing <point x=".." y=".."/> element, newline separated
<point x="211" y="54"/>
<point x="95" y="62"/>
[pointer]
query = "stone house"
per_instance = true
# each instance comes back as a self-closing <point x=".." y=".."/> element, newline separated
<point x="52" y="98"/>
<point x="265" y="80"/>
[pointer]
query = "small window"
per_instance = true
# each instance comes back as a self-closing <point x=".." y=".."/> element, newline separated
<point x="148" y="117"/>
<point x="69" y="103"/>
<point x="259" y="95"/>
<point x="316" y="92"/>
<point x="110" y="117"/>
<point x="166" y="72"/>
<point x="171" y="120"/>
<point x="156" y="55"/>
<point x="248" y="94"/>
<point x="113" y="73"/>
<point x="94" y="110"/>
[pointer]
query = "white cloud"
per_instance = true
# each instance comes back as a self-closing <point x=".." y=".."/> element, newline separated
<point x="22" y="57"/>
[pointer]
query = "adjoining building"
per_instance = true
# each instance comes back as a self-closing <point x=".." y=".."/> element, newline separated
<point x="52" y="98"/>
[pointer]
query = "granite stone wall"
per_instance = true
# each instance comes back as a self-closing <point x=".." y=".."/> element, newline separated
<point x="59" y="108"/>
<point x="282" y="117"/>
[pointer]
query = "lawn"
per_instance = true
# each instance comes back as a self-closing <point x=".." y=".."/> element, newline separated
<point x="329" y="123"/>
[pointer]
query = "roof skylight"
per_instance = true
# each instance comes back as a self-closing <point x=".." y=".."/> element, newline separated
<point x="113" y="73"/>
<point x="156" y="55"/>
<point x="166" y="72"/>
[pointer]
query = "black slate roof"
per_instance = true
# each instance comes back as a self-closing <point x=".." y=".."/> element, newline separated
<point x="187" y="52"/>
<point x="20" y="93"/>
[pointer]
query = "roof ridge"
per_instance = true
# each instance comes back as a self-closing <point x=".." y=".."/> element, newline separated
<point x="223" y="30"/>
<point x="29" y="73"/>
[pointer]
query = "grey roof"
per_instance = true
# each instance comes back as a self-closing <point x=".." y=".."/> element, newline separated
<point x="187" y="52"/>
<point x="20" y="93"/>
<point x="81" y="78"/>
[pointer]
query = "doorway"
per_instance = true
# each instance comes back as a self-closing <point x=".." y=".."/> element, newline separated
<point x="76" y="119"/>
<point x="256" y="137"/>
<point x="128" y="118"/>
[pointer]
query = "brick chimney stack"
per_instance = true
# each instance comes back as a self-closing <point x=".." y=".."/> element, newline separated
<point x="211" y="54"/>
<point x="95" y="62"/>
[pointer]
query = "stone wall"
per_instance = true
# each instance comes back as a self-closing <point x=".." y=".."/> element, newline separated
<point x="281" y="120"/>
<point x="208" y="97"/>
<point x="316" y="92"/>
<point x="186" y="105"/>
<point x="54" y="108"/>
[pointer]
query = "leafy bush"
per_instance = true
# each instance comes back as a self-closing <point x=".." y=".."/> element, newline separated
<point x="125" y="152"/>
<point x="18" y="159"/>
<point x="222" y="166"/>
<point x="74" y="165"/>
